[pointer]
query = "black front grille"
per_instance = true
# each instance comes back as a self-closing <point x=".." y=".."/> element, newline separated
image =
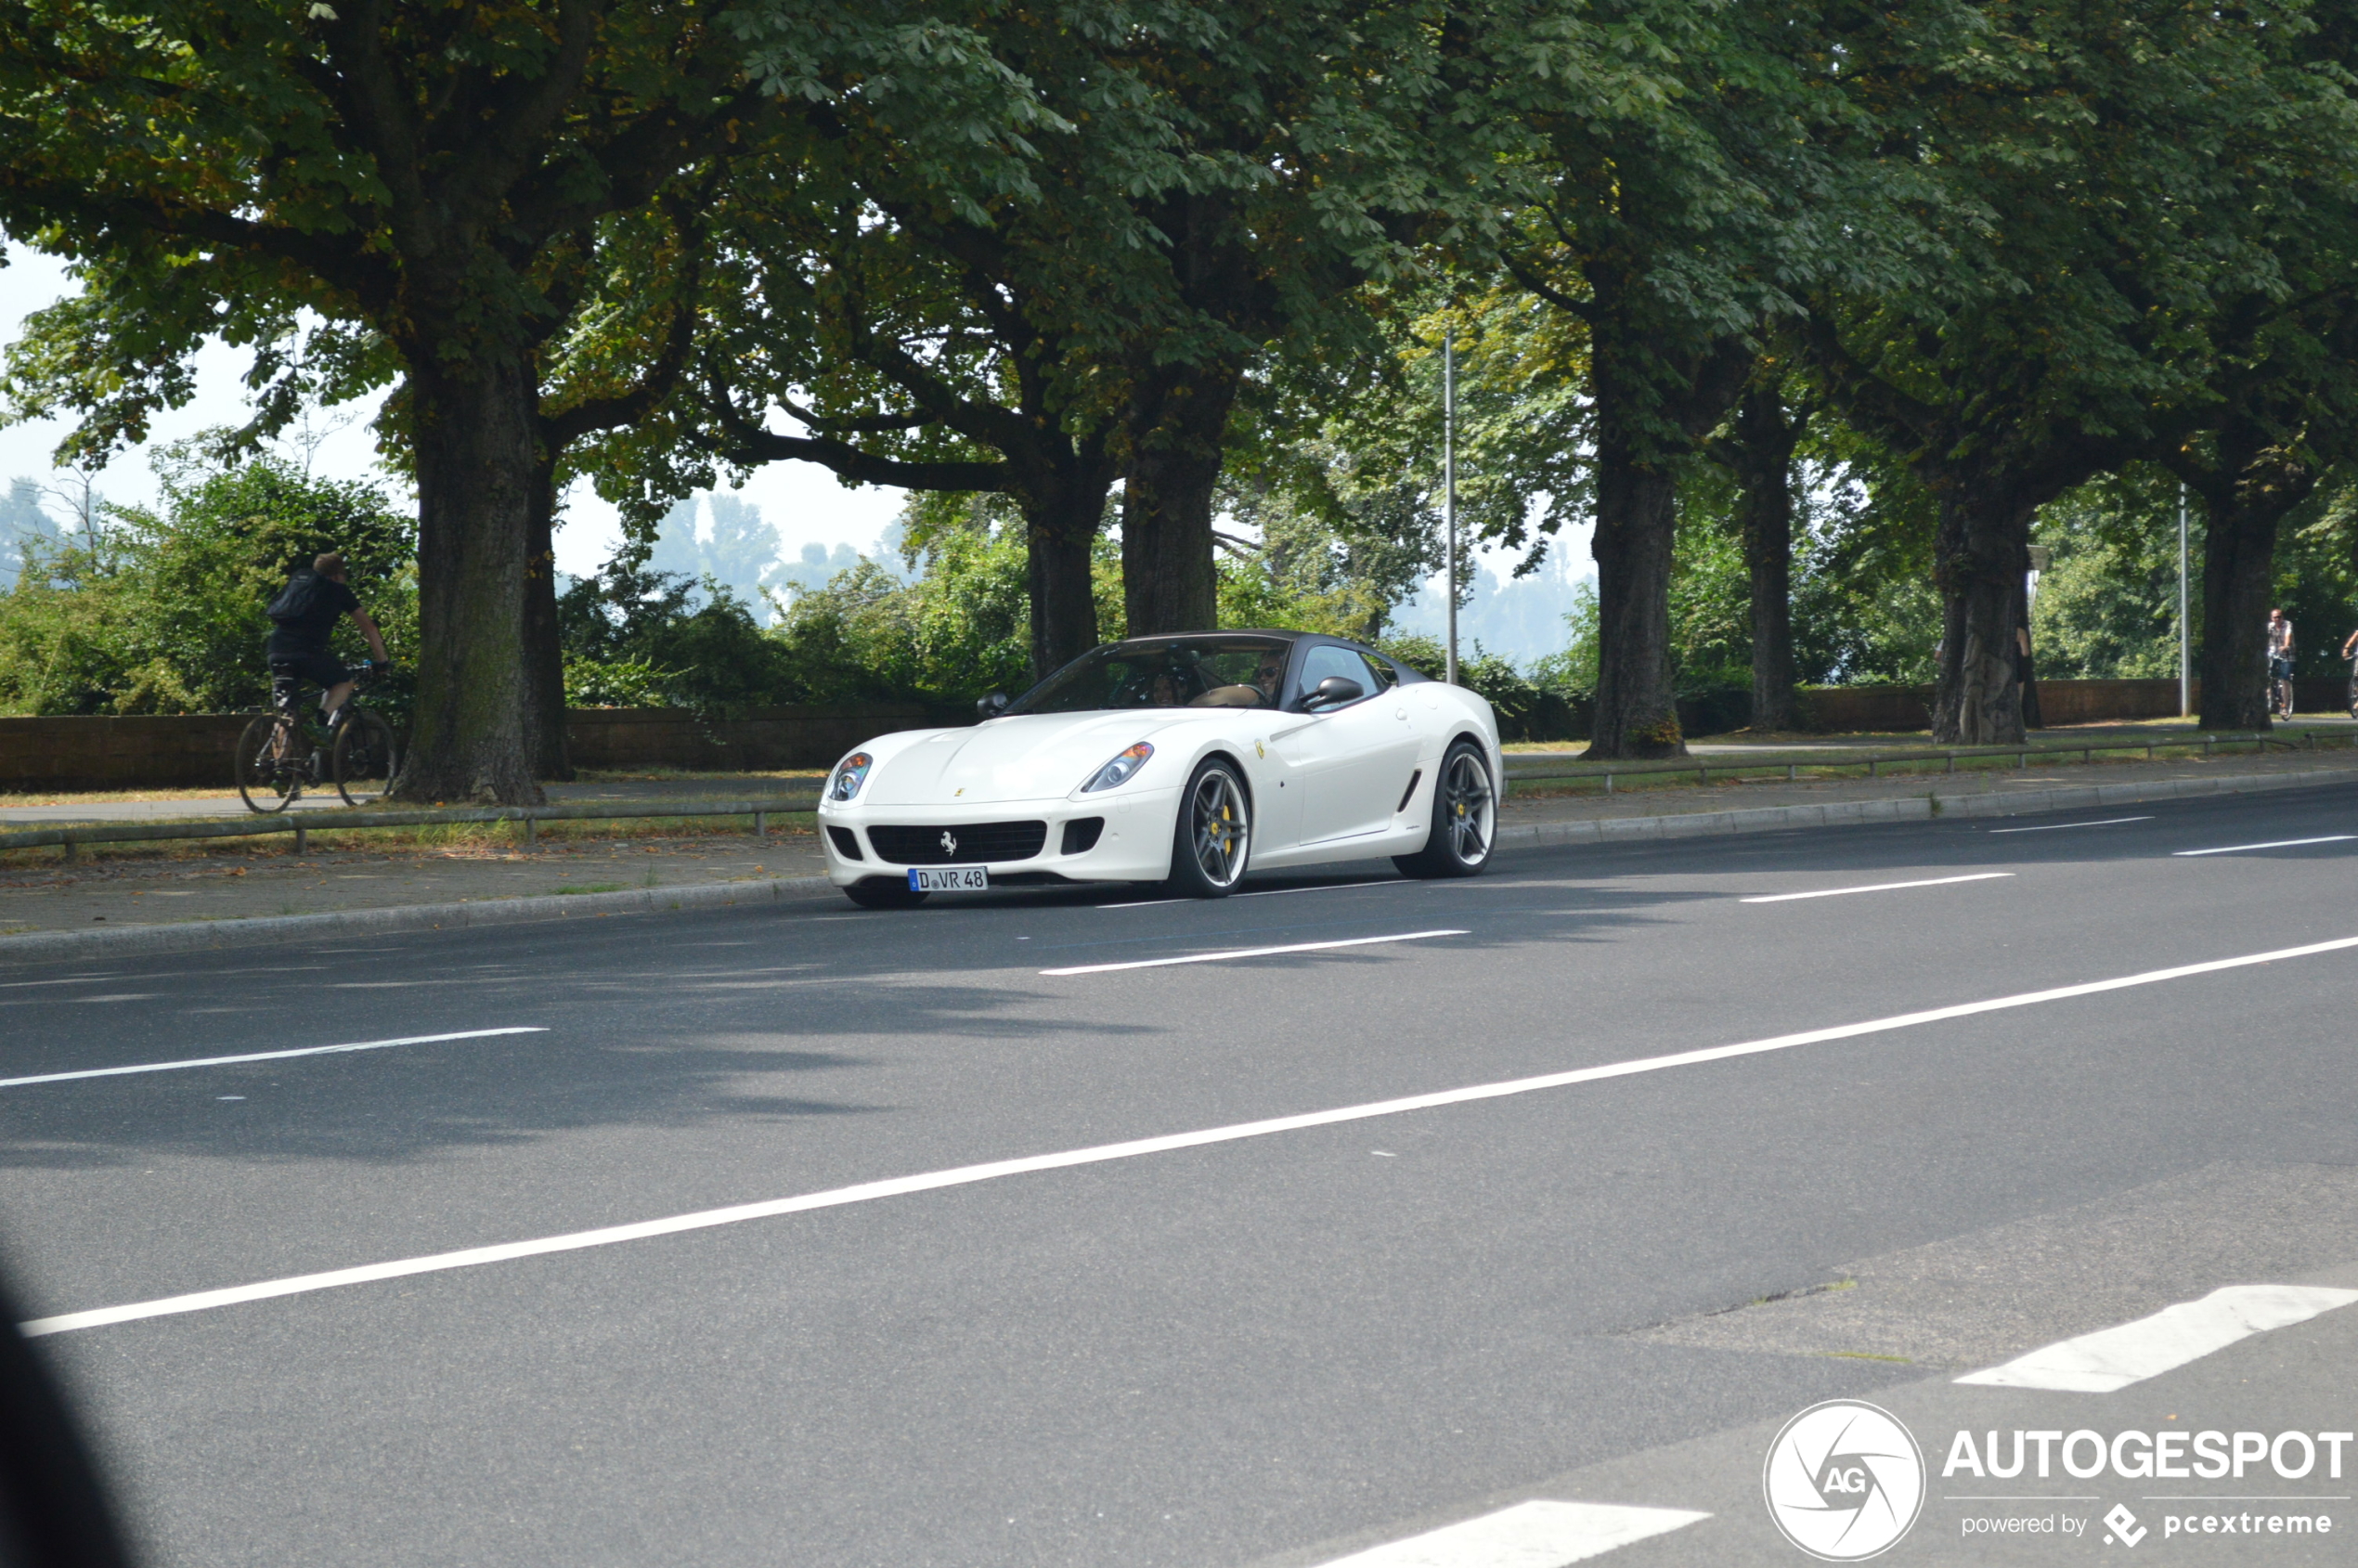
<point x="847" y="842"/>
<point x="1081" y="835"/>
<point x="959" y="843"/>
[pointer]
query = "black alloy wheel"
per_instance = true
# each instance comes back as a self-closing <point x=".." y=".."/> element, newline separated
<point x="1464" y="818"/>
<point x="1211" y="842"/>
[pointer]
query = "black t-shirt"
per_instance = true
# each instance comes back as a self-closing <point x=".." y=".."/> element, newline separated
<point x="330" y="601"/>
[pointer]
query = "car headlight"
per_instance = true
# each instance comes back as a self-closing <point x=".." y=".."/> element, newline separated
<point x="1120" y="768"/>
<point x="849" y="774"/>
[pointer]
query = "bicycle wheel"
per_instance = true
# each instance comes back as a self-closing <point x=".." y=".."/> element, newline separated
<point x="364" y="759"/>
<point x="269" y="768"/>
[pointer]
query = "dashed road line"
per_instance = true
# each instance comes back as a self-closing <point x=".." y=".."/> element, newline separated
<point x="2275" y="844"/>
<point x="2113" y="1358"/>
<point x="1875" y="888"/>
<point x="263" y="1056"/>
<point x="1540" y="1534"/>
<point x="2058" y="827"/>
<point x="1228" y="954"/>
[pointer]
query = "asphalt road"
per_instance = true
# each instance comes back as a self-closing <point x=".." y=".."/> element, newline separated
<point x="1281" y="1346"/>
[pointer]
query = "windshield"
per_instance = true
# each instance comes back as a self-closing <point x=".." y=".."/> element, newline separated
<point x="1192" y="672"/>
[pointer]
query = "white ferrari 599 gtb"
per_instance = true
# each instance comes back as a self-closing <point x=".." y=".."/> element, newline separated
<point x="1186" y="759"/>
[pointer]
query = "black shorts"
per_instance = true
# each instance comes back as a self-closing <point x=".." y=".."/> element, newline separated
<point x="320" y="669"/>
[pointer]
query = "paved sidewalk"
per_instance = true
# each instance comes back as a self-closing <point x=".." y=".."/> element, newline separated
<point x="244" y="880"/>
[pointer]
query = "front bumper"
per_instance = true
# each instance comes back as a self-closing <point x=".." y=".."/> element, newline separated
<point x="1133" y="845"/>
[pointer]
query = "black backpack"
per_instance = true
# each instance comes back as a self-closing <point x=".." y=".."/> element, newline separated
<point x="298" y="600"/>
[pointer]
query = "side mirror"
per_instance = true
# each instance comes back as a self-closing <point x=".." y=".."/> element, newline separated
<point x="1334" y="689"/>
<point x="990" y="707"/>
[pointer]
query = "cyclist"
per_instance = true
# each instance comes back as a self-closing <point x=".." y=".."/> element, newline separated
<point x="2280" y="655"/>
<point x="303" y="617"/>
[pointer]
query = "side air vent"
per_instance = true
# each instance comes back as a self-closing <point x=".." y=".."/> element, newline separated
<point x="1081" y="835"/>
<point x="847" y="842"/>
<point x="1408" y="794"/>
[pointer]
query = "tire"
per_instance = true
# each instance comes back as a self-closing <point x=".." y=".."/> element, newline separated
<point x="1212" y="840"/>
<point x="1464" y="818"/>
<point x="364" y="759"/>
<point x="268" y="782"/>
<point x="877" y="893"/>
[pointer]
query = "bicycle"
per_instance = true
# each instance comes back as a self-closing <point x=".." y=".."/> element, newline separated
<point x="289" y="748"/>
<point x="2280" y="689"/>
<point x="2354" y="686"/>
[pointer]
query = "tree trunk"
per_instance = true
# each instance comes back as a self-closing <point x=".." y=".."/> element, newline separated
<point x="1761" y="457"/>
<point x="1980" y="555"/>
<point x="1169" y="580"/>
<point x="1637" y="705"/>
<point x="1061" y="529"/>
<point x="2238" y="580"/>
<point x="472" y="432"/>
<point x="544" y="656"/>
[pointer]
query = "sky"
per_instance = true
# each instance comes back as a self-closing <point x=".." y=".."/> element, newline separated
<point x="803" y="501"/>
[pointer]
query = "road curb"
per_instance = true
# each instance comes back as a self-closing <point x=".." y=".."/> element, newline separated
<point x="1904" y="808"/>
<point x="207" y="936"/>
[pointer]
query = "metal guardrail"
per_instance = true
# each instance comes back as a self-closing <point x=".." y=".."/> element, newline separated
<point x="306" y="823"/>
<point x="1734" y="768"/>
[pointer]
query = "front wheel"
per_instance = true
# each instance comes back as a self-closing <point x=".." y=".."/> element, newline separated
<point x="270" y="763"/>
<point x="1464" y="818"/>
<point x="1213" y="839"/>
<point x="364" y="759"/>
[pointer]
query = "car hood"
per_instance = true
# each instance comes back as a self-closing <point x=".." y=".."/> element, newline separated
<point x="1029" y="756"/>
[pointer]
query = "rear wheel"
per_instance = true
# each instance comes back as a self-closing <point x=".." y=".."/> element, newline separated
<point x="271" y="757"/>
<point x="364" y="759"/>
<point x="1464" y="818"/>
<point x="1213" y="839"/>
<point x="878" y="893"/>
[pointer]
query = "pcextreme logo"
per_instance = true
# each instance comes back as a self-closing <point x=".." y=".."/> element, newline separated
<point x="1843" y="1481"/>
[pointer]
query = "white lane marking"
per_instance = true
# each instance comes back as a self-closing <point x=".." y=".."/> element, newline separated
<point x="1876" y="888"/>
<point x="1541" y="1534"/>
<point x="263" y="1056"/>
<point x="1329" y="888"/>
<point x="2277" y="844"/>
<point x="2113" y="1358"/>
<point x="2058" y="827"/>
<point x="1148" y="903"/>
<point x="1223" y="956"/>
<point x="966" y="1174"/>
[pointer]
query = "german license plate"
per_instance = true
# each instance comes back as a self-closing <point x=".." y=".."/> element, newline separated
<point x="949" y="879"/>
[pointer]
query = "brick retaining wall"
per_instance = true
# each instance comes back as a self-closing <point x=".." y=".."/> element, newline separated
<point x="193" y="751"/>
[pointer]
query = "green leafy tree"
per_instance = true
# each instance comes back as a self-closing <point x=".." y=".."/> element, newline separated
<point x="499" y="204"/>
<point x="165" y="613"/>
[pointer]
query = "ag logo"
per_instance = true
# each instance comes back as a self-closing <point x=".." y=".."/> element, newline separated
<point x="1843" y="1481"/>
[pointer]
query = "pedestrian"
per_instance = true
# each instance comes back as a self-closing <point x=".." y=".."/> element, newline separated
<point x="2026" y="680"/>
<point x="2280" y="657"/>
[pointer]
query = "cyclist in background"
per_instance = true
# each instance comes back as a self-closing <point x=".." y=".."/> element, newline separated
<point x="2350" y="653"/>
<point x="304" y="618"/>
<point x="2280" y="654"/>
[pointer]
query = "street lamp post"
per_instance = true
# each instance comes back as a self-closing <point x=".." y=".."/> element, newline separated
<point x="2185" y="647"/>
<point x="1449" y="484"/>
